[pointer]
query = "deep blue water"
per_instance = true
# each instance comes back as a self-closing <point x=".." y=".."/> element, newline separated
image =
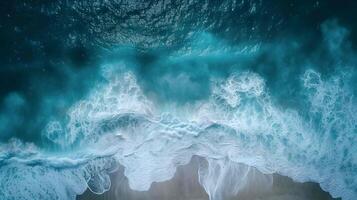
<point x="88" y="85"/>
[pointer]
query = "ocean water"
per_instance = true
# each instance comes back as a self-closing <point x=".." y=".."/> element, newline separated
<point x="86" y="86"/>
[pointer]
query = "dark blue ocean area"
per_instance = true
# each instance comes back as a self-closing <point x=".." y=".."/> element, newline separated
<point x="252" y="89"/>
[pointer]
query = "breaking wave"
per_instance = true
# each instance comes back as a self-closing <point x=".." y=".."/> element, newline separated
<point x="238" y="124"/>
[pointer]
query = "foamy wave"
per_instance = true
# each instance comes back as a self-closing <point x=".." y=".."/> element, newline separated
<point x="239" y="123"/>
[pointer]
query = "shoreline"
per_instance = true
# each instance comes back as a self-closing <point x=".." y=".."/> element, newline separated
<point x="185" y="186"/>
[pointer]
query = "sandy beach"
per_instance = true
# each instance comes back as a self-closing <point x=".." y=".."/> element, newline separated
<point x="185" y="186"/>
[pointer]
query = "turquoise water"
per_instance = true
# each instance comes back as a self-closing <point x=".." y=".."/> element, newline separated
<point x="86" y="86"/>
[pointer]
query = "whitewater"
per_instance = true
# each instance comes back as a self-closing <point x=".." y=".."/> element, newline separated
<point x="237" y="124"/>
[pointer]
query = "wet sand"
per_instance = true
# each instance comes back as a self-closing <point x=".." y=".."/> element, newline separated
<point x="185" y="186"/>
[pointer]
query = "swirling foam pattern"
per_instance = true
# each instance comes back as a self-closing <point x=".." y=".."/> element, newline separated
<point x="238" y="123"/>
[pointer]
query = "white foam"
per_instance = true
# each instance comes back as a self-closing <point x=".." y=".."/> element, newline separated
<point x="237" y="124"/>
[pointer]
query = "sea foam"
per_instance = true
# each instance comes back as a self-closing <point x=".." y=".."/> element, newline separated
<point x="238" y="124"/>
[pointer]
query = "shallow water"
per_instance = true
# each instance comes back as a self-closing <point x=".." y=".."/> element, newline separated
<point x="185" y="185"/>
